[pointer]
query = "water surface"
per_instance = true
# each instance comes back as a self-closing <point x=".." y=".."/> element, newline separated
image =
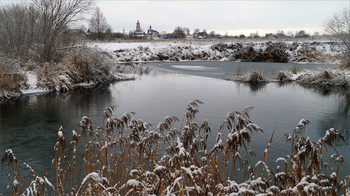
<point x="29" y="125"/>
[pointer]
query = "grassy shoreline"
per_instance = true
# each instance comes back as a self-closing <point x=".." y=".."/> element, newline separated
<point x="77" y="68"/>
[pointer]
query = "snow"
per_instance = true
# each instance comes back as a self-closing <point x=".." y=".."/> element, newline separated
<point x="15" y="183"/>
<point x="188" y="171"/>
<point x="159" y="168"/>
<point x="128" y="45"/>
<point x="204" y="50"/>
<point x="86" y="85"/>
<point x="93" y="175"/>
<point x="281" y="159"/>
<point x="32" y="83"/>
<point x="133" y="183"/>
<point x="182" y="151"/>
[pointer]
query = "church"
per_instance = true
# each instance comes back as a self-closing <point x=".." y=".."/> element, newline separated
<point x="150" y="32"/>
<point x="139" y="33"/>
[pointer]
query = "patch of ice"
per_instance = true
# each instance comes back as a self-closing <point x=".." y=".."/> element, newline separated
<point x="188" y="67"/>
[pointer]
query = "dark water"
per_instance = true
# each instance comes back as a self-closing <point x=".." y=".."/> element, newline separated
<point x="29" y="125"/>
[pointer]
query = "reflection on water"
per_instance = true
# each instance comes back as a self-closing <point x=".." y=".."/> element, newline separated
<point x="29" y="125"/>
<point x="340" y="115"/>
<point x="253" y="87"/>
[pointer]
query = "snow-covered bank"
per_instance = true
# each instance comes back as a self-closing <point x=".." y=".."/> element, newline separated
<point x="79" y="68"/>
<point x="267" y="51"/>
<point x="32" y="87"/>
<point x="321" y="77"/>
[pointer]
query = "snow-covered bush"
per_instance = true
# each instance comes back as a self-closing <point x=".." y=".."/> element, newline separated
<point x="319" y="77"/>
<point x="252" y="77"/>
<point x="88" y="66"/>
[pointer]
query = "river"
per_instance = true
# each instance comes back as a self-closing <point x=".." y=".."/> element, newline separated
<point x="30" y="124"/>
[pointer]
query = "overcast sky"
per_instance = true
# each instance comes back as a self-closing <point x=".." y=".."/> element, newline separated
<point x="232" y="16"/>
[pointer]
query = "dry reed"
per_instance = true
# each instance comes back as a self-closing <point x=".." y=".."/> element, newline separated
<point x="124" y="157"/>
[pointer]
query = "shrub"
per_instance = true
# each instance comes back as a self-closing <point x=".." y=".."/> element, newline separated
<point x="78" y="66"/>
<point x="10" y="76"/>
<point x="256" y="77"/>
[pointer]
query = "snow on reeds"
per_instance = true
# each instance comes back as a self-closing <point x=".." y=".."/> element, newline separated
<point x="124" y="157"/>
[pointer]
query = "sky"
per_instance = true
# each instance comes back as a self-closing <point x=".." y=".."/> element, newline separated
<point x="232" y="16"/>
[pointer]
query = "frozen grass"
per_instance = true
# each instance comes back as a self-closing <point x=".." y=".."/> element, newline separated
<point x="88" y="66"/>
<point x="252" y="77"/>
<point x="11" y="78"/>
<point x="334" y="76"/>
<point x="321" y="77"/>
<point x="124" y="157"/>
<point x="76" y="67"/>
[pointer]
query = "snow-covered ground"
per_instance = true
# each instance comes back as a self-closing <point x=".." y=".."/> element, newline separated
<point x="288" y="51"/>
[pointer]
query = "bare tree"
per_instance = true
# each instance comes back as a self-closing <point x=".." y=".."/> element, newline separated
<point x="179" y="32"/>
<point x="98" y="24"/>
<point x="18" y="28"/>
<point x="55" y="17"/>
<point x="301" y="34"/>
<point x="339" y="27"/>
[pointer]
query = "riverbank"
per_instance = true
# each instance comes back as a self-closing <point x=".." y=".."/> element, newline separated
<point x="307" y="51"/>
<point x="77" y="68"/>
<point x="299" y="52"/>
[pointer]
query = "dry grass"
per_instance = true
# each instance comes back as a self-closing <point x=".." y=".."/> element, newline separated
<point x="11" y="77"/>
<point x="77" y="66"/>
<point x="295" y="69"/>
<point x="252" y="77"/>
<point x="124" y="157"/>
<point x="327" y="77"/>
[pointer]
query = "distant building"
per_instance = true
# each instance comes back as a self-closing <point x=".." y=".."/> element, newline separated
<point x="138" y="27"/>
<point x="201" y="35"/>
<point x="139" y="33"/>
<point x="163" y="36"/>
<point x="152" y="32"/>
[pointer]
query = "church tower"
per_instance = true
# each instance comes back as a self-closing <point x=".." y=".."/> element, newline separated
<point x="138" y="28"/>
